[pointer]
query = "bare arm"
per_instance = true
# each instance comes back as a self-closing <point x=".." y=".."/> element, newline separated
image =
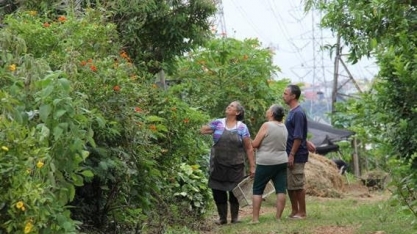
<point x="251" y="155"/>
<point x="311" y="147"/>
<point x="206" y="130"/>
<point x="295" y="146"/>
<point x="260" y="136"/>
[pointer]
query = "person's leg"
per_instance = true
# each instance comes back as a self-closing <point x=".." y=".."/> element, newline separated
<point x="298" y="190"/>
<point x="256" y="207"/>
<point x="294" y="203"/>
<point x="301" y="198"/>
<point x="234" y="207"/>
<point x="280" y="184"/>
<point x="291" y="192"/>
<point x="220" y="198"/>
<point x="281" y="197"/>
<point x="261" y="178"/>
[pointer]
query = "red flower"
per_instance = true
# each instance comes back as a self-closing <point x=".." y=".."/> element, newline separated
<point x="152" y="127"/>
<point x="46" y="24"/>
<point x="116" y="88"/>
<point x="62" y="19"/>
<point x="138" y="109"/>
<point x="93" y="68"/>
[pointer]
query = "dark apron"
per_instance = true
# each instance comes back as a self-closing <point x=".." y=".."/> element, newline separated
<point x="227" y="162"/>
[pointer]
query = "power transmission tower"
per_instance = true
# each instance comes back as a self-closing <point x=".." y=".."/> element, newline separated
<point x="219" y="23"/>
<point x="317" y="97"/>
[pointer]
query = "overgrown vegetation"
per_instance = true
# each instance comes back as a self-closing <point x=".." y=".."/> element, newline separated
<point x="383" y="117"/>
<point x="89" y="142"/>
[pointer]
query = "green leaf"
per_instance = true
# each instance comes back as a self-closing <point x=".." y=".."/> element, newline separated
<point x="101" y="122"/>
<point x="153" y="118"/>
<point x="103" y="165"/>
<point x="44" y="112"/>
<point x="56" y="101"/>
<point x="71" y="190"/>
<point x="44" y="131"/>
<point x="57" y="132"/>
<point x="46" y="92"/>
<point x="87" y="173"/>
<point x="65" y="84"/>
<point x="77" y="180"/>
<point x="85" y="154"/>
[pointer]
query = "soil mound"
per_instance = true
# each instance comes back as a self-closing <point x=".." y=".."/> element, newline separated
<point x="322" y="177"/>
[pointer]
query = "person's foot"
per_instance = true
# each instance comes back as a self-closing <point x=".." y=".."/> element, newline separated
<point x="297" y="217"/>
<point x="292" y="215"/>
<point x="220" y="222"/>
<point x="254" y="222"/>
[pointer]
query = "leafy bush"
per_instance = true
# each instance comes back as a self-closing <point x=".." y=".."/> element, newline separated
<point x="103" y="134"/>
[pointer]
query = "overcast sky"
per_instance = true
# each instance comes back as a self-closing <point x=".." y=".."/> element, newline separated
<point x="295" y="36"/>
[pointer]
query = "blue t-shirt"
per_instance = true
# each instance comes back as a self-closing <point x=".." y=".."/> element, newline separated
<point x="219" y="125"/>
<point x="296" y="123"/>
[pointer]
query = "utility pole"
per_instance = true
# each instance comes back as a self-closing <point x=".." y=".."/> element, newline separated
<point x="336" y="87"/>
<point x="335" y="92"/>
<point x="336" y="74"/>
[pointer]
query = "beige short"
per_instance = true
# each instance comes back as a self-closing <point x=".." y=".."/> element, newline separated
<point x="296" y="177"/>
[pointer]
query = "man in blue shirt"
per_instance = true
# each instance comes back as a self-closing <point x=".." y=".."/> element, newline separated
<point x="297" y="150"/>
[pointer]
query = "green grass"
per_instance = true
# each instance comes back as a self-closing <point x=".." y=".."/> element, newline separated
<point x="329" y="216"/>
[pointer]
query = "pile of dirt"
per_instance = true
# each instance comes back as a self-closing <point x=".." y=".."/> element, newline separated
<point x="322" y="177"/>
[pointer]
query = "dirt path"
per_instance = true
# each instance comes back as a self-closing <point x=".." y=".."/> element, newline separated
<point x="357" y="192"/>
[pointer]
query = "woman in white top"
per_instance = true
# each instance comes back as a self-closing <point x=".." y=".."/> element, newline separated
<point x="271" y="160"/>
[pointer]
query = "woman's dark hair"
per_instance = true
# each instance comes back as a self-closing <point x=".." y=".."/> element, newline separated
<point x="295" y="89"/>
<point x="241" y="111"/>
<point x="278" y="112"/>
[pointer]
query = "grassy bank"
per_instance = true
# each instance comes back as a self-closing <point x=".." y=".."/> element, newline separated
<point x="359" y="212"/>
<point x="349" y="215"/>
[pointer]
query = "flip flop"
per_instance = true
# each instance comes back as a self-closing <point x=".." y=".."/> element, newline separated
<point x="297" y="217"/>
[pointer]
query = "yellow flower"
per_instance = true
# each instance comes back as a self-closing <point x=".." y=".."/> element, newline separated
<point x="23" y="208"/>
<point x="19" y="205"/>
<point x="28" y="227"/>
<point x="33" y="13"/>
<point x="12" y="67"/>
<point x="39" y="164"/>
<point x="5" y="148"/>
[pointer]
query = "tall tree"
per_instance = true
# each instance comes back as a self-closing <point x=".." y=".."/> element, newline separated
<point x="225" y="70"/>
<point x="153" y="32"/>
<point x="156" y="31"/>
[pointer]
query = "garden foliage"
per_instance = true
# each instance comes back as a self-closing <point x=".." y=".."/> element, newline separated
<point x="386" y="30"/>
<point x="85" y="136"/>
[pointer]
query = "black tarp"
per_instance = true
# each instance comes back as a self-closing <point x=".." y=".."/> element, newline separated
<point x="324" y="136"/>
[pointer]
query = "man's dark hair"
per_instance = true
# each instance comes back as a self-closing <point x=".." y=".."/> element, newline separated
<point x="295" y="90"/>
